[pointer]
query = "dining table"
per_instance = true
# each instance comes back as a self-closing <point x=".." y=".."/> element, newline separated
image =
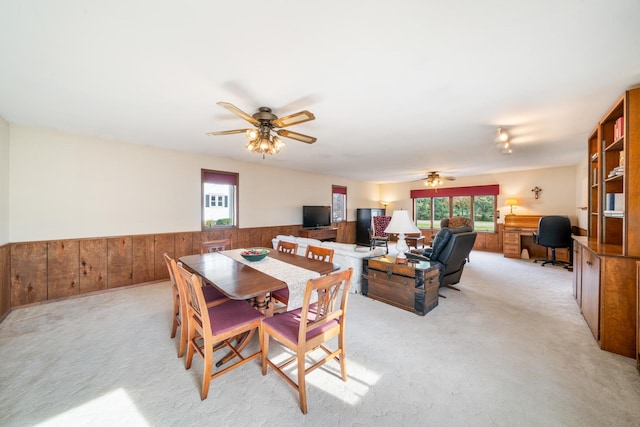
<point x="241" y="279"/>
<point x="246" y="280"/>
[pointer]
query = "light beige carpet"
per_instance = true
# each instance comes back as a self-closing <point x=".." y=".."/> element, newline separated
<point x="510" y="349"/>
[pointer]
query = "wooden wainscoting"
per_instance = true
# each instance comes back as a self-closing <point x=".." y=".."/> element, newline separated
<point x="5" y="280"/>
<point x="485" y="241"/>
<point x="488" y="242"/>
<point x="33" y="272"/>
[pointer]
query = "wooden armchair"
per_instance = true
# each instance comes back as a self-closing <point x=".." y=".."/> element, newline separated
<point x="282" y="295"/>
<point x="287" y="247"/>
<point x="308" y="328"/>
<point x="377" y="236"/>
<point x="215" y="246"/>
<point x="320" y="253"/>
<point x="214" y="328"/>
<point x="212" y="297"/>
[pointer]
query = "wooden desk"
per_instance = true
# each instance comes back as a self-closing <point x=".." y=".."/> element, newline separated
<point x="518" y="235"/>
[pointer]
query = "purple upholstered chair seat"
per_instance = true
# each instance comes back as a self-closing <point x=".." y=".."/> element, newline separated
<point x="231" y="314"/>
<point x="288" y="323"/>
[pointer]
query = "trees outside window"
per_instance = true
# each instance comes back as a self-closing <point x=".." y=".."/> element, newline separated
<point x="484" y="208"/>
<point x="479" y="203"/>
<point x="440" y="210"/>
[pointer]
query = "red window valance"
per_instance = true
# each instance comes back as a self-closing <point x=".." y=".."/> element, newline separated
<point x="338" y="189"/>
<point x="221" y="178"/>
<point x="476" y="190"/>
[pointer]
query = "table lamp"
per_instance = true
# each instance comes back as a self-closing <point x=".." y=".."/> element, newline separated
<point x="401" y="224"/>
<point x="511" y="203"/>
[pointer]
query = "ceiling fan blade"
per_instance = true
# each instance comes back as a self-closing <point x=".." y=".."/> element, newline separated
<point x="293" y="119"/>
<point x="235" y="110"/>
<point x="297" y="136"/>
<point x="228" y="132"/>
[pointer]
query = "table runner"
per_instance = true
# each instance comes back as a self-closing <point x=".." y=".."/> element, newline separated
<point x="295" y="277"/>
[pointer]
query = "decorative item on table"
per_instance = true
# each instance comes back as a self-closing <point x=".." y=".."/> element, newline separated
<point x="401" y="224"/>
<point x="254" y="254"/>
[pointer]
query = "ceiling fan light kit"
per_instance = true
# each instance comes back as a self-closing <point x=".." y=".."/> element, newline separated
<point x="261" y="139"/>
<point x="434" y="179"/>
<point x="263" y="142"/>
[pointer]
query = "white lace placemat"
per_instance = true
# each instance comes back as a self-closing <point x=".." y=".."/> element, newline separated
<point x="295" y="277"/>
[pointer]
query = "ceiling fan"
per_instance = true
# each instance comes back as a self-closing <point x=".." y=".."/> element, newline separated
<point x="261" y="139"/>
<point x="433" y="179"/>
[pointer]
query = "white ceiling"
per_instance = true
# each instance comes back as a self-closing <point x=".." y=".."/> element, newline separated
<point x="397" y="89"/>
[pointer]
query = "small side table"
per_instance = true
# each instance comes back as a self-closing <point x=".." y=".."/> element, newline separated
<point x="415" y="241"/>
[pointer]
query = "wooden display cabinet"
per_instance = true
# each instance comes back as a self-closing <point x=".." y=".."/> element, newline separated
<point x="606" y="275"/>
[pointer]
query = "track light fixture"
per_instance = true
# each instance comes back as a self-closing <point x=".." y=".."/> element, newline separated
<point x="502" y="142"/>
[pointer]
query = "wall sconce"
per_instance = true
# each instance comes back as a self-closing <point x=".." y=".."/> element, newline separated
<point x="537" y="191"/>
<point x="511" y="203"/>
<point x="383" y="203"/>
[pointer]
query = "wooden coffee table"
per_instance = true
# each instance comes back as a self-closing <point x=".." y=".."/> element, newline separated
<point x="413" y="286"/>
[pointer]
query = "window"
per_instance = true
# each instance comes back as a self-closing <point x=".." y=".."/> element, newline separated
<point x="338" y="203"/>
<point x="422" y="208"/>
<point x="461" y="206"/>
<point x="479" y="203"/>
<point x="483" y="213"/>
<point x="219" y="199"/>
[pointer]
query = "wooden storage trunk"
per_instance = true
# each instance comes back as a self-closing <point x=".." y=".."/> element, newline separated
<point x="412" y="286"/>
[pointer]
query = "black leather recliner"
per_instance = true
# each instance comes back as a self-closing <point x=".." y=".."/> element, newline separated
<point x="451" y="250"/>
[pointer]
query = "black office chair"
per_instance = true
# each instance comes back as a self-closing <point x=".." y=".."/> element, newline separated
<point x="554" y="232"/>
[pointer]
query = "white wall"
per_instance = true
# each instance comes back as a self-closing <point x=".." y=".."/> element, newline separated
<point x="4" y="182"/>
<point x="71" y="186"/>
<point x="558" y="196"/>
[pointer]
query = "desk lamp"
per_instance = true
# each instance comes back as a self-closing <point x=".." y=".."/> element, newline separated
<point x="401" y="224"/>
<point x="511" y="203"/>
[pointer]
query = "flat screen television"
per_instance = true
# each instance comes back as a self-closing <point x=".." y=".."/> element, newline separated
<point x="316" y="216"/>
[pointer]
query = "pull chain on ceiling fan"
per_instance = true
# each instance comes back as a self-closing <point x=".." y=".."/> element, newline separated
<point x="261" y="138"/>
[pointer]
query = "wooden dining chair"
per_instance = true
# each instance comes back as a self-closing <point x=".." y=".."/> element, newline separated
<point x="287" y="247"/>
<point x="307" y="329"/>
<point x="320" y="253"/>
<point x="282" y="295"/>
<point x="215" y="328"/>
<point x="215" y="246"/>
<point x="212" y="297"/>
